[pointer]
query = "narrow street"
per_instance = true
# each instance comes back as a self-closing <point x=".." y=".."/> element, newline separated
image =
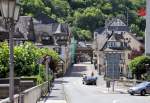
<point x="76" y="92"/>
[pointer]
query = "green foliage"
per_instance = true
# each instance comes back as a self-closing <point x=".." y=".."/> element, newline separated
<point x="137" y="65"/>
<point x="4" y="54"/>
<point x="61" y="7"/>
<point x="26" y="58"/>
<point x="88" y="14"/>
<point x="81" y="34"/>
<point x="134" y="28"/>
<point x="35" y="7"/>
<point x="89" y="19"/>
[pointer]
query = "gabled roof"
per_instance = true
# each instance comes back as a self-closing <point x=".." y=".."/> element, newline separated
<point x="112" y="38"/>
<point x="109" y="33"/>
<point x="60" y="29"/>
<point x="25" y="27"/>
<point x="44" y="19"/>
<point x="102" y="41"/>
<point x="118" y="28"/>
<point x="100" y="30"/>
<point x="116" y="22"/>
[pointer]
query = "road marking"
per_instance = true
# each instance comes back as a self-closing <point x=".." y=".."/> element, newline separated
<point x="56" y="101"/>
<point x="115" y="101"/>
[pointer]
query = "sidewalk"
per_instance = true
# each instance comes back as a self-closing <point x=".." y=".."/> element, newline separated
<point x="101" y="83"/>
<point x="118" y="87"/>
<point x="57" y="94"/>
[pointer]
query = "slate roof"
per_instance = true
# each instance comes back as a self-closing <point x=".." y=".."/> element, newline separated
<point x="61" y="29"/>
<point x="44" y="19"/>
<point x="102" y="41"/>
<point x="118" y="28"/>
<point x="23" y="29"/>
<point x="112" y="38"/>
<point x="116" y="37"/>
<point x="52" y="29"/>
<point x="29" y="30"/>
<point x="100" y="30"/>
<point x="113" y="25"/>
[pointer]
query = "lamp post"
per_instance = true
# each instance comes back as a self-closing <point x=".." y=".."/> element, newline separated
<point x="10" y="12"/>
<point x="62" y="66"/>
<point x="48" y="59"/>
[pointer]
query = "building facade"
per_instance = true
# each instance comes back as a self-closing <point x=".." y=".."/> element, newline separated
<point x="54" y="36"/>
<point x="112" y="46"/>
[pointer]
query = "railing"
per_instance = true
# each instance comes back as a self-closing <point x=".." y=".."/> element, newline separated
<point x="16" y="99"/>
<point x="31" y="95"/>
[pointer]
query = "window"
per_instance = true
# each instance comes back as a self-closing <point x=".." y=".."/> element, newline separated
<point x="118" y="44"/>
<point x="111" y="44"/>
<point x="58" y="50"/>
<point x="47" y="40"/>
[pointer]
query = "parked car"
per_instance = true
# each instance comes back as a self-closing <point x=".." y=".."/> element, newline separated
<point x="142" y="88"/>
<point x="89" y="80"/>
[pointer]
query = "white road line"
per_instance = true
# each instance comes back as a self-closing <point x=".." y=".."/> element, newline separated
<point x="115" y="101"/>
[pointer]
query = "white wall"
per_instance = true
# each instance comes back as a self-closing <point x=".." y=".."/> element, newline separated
<point x="147" y="36"/>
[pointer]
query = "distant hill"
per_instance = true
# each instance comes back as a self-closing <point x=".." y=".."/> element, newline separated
<point x="84" y="16"/>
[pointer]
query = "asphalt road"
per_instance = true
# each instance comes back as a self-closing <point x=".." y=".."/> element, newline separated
<point x="76" y="92"/>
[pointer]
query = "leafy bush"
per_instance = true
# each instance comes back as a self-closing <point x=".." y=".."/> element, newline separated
<point x="137" y="65"/>
<point x="4" y="54"/>
<point x="26" y="57"/>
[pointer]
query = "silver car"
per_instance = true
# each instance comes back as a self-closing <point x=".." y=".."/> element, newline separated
<point x="89" y="80"/>
<point x="142" y="88"/>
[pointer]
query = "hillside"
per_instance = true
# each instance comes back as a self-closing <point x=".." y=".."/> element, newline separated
<point x="84" y="16"/>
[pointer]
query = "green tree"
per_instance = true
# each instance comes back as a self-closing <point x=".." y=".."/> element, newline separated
<point x="81" y="34"/>
<point x="137" y="65"/>
<point x="87" y="14"/>
<point x="4" y="55"/>
<point x="26" y="58"/>
<point x="89" y="19"/>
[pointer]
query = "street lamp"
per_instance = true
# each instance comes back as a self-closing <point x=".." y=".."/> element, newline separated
<point x="10" y="12"/>
<point x="48" y="59"/>
<point x="62" y="66"/>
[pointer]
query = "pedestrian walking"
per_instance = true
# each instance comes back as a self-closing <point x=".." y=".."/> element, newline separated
<point x="92" y="74"/>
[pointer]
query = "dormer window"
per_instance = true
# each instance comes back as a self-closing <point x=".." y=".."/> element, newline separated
<point x="45" y="38"/>
<point x="113" y="44"/>
<point x="110" y="44"/>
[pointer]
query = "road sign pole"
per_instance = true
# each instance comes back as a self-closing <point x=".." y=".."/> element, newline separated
<point x="113" y="87"/>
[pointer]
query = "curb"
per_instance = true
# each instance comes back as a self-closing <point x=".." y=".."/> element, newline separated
<point x="65" y="94"/>
<point x="56" y="101"/>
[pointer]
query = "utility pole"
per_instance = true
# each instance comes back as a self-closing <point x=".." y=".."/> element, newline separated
<point x="97" y="52"/>
<point x="147" y="34"/>
<point x="127" y="18"/>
